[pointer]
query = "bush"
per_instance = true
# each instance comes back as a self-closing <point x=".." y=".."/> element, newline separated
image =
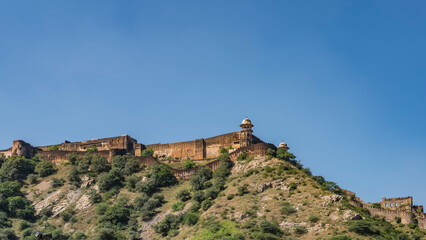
<point x="105" y="234"/>
<point x="198" y="196"/>
<point x="161" y="176"/>
<point x="7" y="233"/>
<point x="363" y="227"/>
<point x="230" y="196"/>
<point x="73" y="176"/>
<point x="147" y="152"/>
<point x="140" y="201"/>
<point x="54" y="148"/>
<point x="188" y="164"/>
<point x="287" y="208"/>
<point x="412" y="225"/>
<point x="147" y="187"/>
<point x="117" y="215"/>
<point x="268" y="227"/>
<point x="177" y="206"/>
<point x="57" y="182"/>
<point x="242" y="190"/>
<point x="45" y="168"/>
<point x="190" y="219"/>
<point x="270" y="152"/>
<point x="92" y="149"/>
<point x="32" y="178"/>
<point x="20" y="207"/>
<point x="242" y="156"/>
<point x="99" y="164"/>
<point x="376" y="205"/>
<point x="170" y="222"/>
<point x="72" y="158"/>
<point x="211" y="193"/>
<point x="300" y="230"/>
<point x="313" y="219"/>
<point x="16" y="168"/>
<point x="131" y="182"/>
<point x="101" y="208"/>
<point x="94" y="196"/>
<point x="159" y="197"/>
<point x="202" y="176"/>
<point x="206" y="204"/>
<point x="184" y="195"/>
<point x="195" y="206"/>
<point x="67" y="214"/>
<point x="10" y="189"/>
<point x="132" y="166"/>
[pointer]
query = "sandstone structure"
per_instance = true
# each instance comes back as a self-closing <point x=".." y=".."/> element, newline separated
<point x="392" y="208"/>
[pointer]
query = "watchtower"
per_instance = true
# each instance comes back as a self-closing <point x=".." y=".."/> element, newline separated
<point x="245" y="134"/>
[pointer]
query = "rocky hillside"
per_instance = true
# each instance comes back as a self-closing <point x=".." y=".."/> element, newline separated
<point x="252" y="198"/>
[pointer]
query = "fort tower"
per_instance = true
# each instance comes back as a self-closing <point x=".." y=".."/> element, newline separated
<point x="245" y="134"/>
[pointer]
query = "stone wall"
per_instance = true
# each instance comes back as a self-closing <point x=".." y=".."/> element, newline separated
<point x="7" y="152"/>
<point x="194" y="149"/>
<point x="103" y="144"/>
<point x="255" y="149"/>
<point x="400" y="203"/>
<point x="422" y="221"/>
<point x="197" y="149"/>
<point x="389" y="215"/>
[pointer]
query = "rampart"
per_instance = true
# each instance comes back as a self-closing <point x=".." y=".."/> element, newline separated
<point x="255" y="149"/>
<point x="389" y="215"/>
<point x="200" y="148"/>
<point x="400" y="203"/>
<point x="121" y="142"/>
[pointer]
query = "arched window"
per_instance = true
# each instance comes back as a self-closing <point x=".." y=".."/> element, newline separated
<point x="390" y="204"/>
<point x="396" y="204"/>
<point x="386" y="204"/>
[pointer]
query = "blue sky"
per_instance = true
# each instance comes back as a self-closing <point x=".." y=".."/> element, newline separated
<point x="342" y="82"/>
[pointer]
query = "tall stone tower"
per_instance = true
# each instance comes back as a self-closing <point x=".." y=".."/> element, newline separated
<point x="245" y="134"/>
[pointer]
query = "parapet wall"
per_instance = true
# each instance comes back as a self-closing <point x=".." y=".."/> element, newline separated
<point x="389" y="215"/>
<point x="103" y="144"/>
<point x="399" y="203"/>
<point x="256" y="149"/>
<point x="200" y="148"/>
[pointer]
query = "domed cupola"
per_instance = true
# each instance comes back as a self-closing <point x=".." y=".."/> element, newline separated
<point x="283" y="145"/>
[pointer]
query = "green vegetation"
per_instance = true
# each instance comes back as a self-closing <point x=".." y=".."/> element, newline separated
<point x="147" y="152"/>
<point x="189" y="164"/>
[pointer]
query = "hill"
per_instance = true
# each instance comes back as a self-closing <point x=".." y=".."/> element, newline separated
<point x="254" y="197"/>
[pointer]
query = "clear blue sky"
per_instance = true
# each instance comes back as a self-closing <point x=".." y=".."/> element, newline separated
<point x="342" y="82"/>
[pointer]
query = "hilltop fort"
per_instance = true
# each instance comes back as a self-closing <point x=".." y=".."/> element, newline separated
<point x="204" y="149"/>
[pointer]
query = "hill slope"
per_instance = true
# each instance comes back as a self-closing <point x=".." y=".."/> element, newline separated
<point x="254" y="198"/>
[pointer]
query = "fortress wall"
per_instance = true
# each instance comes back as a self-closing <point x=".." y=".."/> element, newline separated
<point x="7" y="153"/>
<point x="422" y="221"/>
<point x="402" y="203"/>
<point x="256" y="149"/>
<point x="214" y="144"/>
<point x="190" y="149"/>
<point x="121" y="142"/>
<point x="406" y="217"/>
